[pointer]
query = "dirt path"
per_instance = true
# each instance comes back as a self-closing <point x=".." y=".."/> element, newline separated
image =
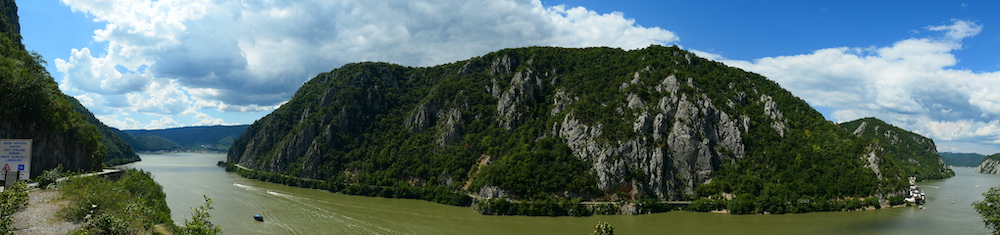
<point x="40" y="216"/>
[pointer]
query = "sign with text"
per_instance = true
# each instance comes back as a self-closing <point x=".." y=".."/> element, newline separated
<point x="15" y="155"/>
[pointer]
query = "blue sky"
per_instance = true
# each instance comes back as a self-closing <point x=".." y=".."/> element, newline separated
<point x="927" y="66"/>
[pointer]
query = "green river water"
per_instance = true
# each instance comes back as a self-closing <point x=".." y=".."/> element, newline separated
<point x="290" y="210"/>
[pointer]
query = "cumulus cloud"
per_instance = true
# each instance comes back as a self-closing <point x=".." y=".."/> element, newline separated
<point x="168" y="56"/>
<point x="911" y="83"/>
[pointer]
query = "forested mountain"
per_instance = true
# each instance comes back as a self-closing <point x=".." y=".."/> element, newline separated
<point x="962" y="159"/>
<point x="555" y="123"/>
<point x="185" y="138"/>
<point x="33" y="107"/>
<point x="118" y="151"/>
<point x="989" y="165"/>
<point x="918" y="153"/>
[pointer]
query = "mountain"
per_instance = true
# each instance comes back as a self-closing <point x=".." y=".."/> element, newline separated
<point x="542" y="124"/>
<point x="904" y="147"/>
<point x="962" y="159"/>
<point x="33" y="107"/>
<point x="190" y="138"/>
<point x="989" y="165"/>
<point x="118" y="151"/>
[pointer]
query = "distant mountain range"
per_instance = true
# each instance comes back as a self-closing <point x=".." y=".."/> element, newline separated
<point x="208" y="138"/>
<point x="962" y="159"/>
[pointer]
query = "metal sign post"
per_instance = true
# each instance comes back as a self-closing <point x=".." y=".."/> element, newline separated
<point x="15" y="155"/>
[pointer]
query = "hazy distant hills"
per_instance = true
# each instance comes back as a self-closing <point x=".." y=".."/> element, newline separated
<point x="962" y="159"/>
<point x="212" y="138"/>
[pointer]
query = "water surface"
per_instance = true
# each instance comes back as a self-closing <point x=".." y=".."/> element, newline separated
<point x="290" y="210"/>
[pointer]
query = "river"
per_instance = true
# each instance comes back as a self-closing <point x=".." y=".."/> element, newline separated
<point x="290" y="210"/>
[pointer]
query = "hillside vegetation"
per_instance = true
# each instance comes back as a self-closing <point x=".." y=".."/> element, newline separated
<point x="989" y="165"/>
<point x="33" y="107"/>
<point x="118" y="150"/>
<point x="962" y="159"/>
<point x="917" y="153"/>
<point x="563" y="125"/>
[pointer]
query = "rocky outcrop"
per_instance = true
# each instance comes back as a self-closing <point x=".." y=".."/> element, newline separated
<point x="51" y="148"/>
<point x="989" y="165"/>
<point x="916" y="154"/>
<point x="655" y="123"/>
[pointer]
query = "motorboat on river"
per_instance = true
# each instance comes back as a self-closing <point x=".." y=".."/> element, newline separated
<point x="258" y="217"/>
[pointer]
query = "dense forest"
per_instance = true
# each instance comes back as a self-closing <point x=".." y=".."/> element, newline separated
<point x="904" y="147"/>
<point x="962" y="159"/>
<point x="33" y="107"/>
<point x="543" y="124"/>
<point x="118" y="150"/>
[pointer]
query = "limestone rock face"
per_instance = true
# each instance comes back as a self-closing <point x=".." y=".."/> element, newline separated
<point x="694" y="139"/>
<point x="918" y="153"/>
<point x="649" y="123"/>
<point x="989" y="165"/>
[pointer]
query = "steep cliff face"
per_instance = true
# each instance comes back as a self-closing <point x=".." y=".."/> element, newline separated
<point x="989" y="165"/>
<point x="917" y="155"/>
<point x="32" y="107"/>
<point x="652" y="123"/>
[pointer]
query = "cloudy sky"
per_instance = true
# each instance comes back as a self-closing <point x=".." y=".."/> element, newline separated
<point x="932" y="67"/>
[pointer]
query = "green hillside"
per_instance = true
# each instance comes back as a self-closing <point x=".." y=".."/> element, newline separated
<point x="556" y="124"/>
<point x="118" y="150"/>
<point x="904" y="147"/>
<point x="33" y="107"/>
<point x="962" y="159"/>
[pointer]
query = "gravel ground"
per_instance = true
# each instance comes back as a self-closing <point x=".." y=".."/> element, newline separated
<point x="40" y="216"/>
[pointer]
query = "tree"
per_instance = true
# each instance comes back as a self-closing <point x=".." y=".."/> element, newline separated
<point x="199" y="223"/>
<point x="989" y="209"/>
<point x="604" y="228"/>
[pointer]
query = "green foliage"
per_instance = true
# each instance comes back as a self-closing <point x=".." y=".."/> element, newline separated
<point x="11" y="200"/>
<point x="49" y="178"/>
<point x="117" y="149"/>
<point x="200" y="223"/>
<point x="439" y="194"/>
<point x="380" y="129"/>
<point x="31" y="104"/>
<point x="962" y="159"/>
<point x="543" y="207"/>
<point x="549" y="167"/>
<point x="904" y="148"/>
<point x="989" y="209"/>
<point x="604" y="228"/>
<point x="129" y="205"/>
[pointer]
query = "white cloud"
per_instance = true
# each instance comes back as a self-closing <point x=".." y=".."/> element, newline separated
<point x="912" y="84"/>
<point x="250" y="56"/>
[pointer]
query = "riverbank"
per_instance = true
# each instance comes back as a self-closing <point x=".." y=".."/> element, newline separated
<point x="571" y="206"/>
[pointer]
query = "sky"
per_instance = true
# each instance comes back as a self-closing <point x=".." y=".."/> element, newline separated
<point x="931" y="67"/>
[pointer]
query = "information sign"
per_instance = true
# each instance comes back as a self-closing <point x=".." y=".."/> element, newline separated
<point x="15" y="155"/>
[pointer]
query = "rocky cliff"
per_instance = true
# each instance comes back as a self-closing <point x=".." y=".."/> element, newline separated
<point x="990" y="165"/>
<point x="533" y="123"/>
<point x="32" y="107"/>
<point x="918" y="154"/>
